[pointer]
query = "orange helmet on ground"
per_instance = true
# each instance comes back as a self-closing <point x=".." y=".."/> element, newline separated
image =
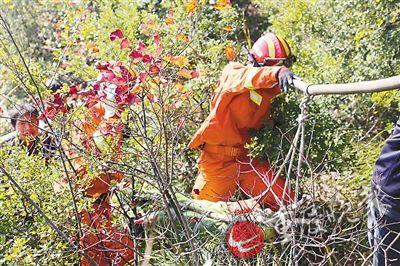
<point x="271" y="50"/>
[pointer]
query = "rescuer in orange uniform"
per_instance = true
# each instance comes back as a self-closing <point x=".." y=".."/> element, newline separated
<point x="242" y="102"/>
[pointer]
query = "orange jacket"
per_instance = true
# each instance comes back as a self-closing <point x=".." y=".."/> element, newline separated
<point x="242" y="101"/>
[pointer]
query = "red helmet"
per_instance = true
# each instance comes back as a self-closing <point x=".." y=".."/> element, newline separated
<point x="245" y="239"/>
<point x="271" y="50"/>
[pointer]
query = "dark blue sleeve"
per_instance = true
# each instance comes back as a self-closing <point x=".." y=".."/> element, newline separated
<point x="386" y="175"/>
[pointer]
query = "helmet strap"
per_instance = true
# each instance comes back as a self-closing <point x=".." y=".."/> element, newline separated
<point x="251" y="58"/>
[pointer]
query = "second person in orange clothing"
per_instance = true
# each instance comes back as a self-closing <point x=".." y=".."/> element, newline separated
<point x="242" y="102"/>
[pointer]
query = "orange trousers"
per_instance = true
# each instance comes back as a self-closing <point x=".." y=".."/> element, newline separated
<point x="220" y="176"/>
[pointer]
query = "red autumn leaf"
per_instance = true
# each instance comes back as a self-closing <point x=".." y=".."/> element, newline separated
<point x="125" y="43"/>
<point x="121" y="90"/>
<point x="107" y="75"/>
<point x="156" y="38"/>
<point x="154" y="70"/>
<point x="96" y="87"/>
<point x="120" y="81"/>
<point x="100" y="66"/>
<point x="120" y="99"/>
<point x="128" y="98"/>
<point x="158" y="44"/>
<point x="117" y="34"/>
<point x="141" y="47"/>
<point x="50" y="112"/>
<point x="132" y="98"/>
<point x="64" y="110"/>
<point x="195" y="74"/>
<point x="128" y="75"/>
<point x="73" y="90"/>
<point x="142" y="76"/>
<point x="57" y="100"/>
<point x="135" y="55"/>
<point x="124" y="71"/>
<point x="147" y="58"/>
